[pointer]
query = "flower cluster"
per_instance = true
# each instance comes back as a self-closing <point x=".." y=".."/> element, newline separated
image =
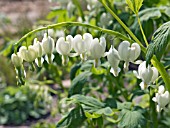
<point x="84" y="45"/>
<point x="88" y="48"/>
<point x="162" y="98"/>
<point x="124" y="53"/>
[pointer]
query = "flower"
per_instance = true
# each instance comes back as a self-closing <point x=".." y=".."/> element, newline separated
<point x="38" y="47"/>
<point x="147" y="74"/>
<point x="48" y="47"/>
<point x="70" y="8"/>
<point x="105" y="19"/>
<point x="162" y="98"/>
<point x="16" y="60"/>
<point x="81" y="45"/>
<point x="113" y="59"/>
<point x="97" y="48"/>
<point x="47" y="44"/>
<point x="91" y="4"/>
<point x="127" y="53"/>
<point x="29" y="54"/>
<point x="63" y="46"/>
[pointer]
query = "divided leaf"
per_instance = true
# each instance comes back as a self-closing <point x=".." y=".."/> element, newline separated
<point x="131" y="119"/>
<point x="134" y="5"/>
<point x="74" y="119"/>
<point x="160" y="40"/>
<point x="92" y="105"/>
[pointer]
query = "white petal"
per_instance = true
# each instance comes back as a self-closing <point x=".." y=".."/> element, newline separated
<point x="78" y="44"/>
<point x="136" y="74"/>
<point x="158" y="108"/>
<point x="161" y="89"/>
<point x="96" y="50"/>
<point x="87" y="37"/>
<point x="63" y="47"/>
<point x="134" y="52"/>
<point x="124" y="50"/>
<point x="115" y="72"/>
<point x="155" y="74"/>
<point x="142" y="85"/>
<point x="154" y="99"/>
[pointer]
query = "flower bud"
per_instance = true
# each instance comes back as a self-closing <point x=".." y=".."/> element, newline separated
<point x="97" y="49"/>
<point x="113" y="59"/>
<point x="162" y="98"/>
<point x="29" y="54"/>
<point x="16" y="60"/>
<point x="48" y="44"/>
<point x="63" y="46"/>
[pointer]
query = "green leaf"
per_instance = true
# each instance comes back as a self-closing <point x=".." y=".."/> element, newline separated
<point x="131" y="119"/>
<point x="134" y="5"/>
<point x="124" y="105"/>
<point x="74" y="70"/>
<point x="111" y="102"/>
<point x="92" y="105"/>
<point x="74" y="119"/>
<point x="137" y="93"/>
<point x="98" y="71"/>
<point x="160" y="40"/>
<point x="88" y="101"/>
<point x="149" y="53"/>
<point x="149" y="13"/>
<point x="106" y="111"/>
<point x="78" y="83"/>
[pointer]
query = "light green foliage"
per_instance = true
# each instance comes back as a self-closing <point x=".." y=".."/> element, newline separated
<point x="134" y="5"/>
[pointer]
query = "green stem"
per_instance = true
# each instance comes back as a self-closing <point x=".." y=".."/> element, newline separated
<point x="153" y="113"/>
<point x="77" y="3"/>
<point x="63" y="24"/>
<point x="123" y="25"/>
<point x="162" y="71"/>
<point x="143" y="34"/>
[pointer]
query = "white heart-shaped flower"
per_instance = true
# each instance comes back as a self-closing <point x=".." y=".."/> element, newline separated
<point x="16" y="60"/>
<point x="97" y="48"/>
<point x="29" y="54"/>
<point x="48" y="44"/>
<point x="63" y="46"/>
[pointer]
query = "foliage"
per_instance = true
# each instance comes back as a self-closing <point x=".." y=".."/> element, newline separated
<point x="160" y="41"/>
<point x="19" y="104"/>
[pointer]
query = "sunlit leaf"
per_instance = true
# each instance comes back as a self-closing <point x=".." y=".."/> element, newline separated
<point x="134" y="5"/>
